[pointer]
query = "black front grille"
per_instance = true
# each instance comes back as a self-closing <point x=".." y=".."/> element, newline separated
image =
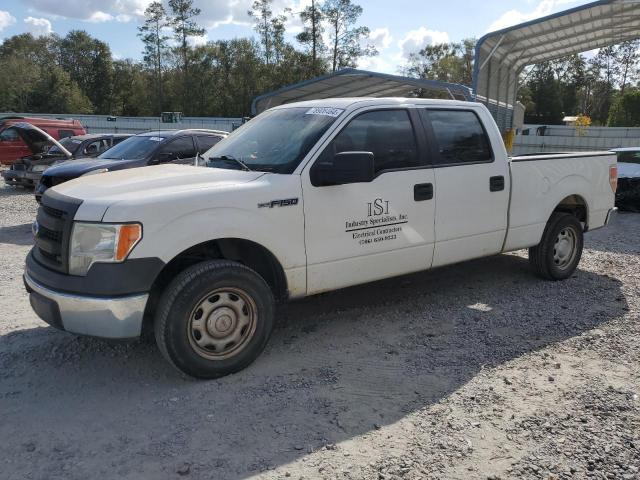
<point x="54" y="212"/>
<point x="55" y="220"/>
<point x="49" y="181"/>
<point x="52" y="235"/>
<point x="18" y="167"/>
<point x="46" y="181"/>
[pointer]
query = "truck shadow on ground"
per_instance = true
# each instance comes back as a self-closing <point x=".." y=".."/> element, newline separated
<point x="623" y="238"/>
<point x="17" y="234"/>
<point x="338" y="366"/>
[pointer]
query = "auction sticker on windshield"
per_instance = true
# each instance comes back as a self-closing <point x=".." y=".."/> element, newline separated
<point x="156" y="139"/>
<point x="330" y="112"/>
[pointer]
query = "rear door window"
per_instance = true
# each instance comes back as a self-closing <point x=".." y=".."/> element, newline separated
<point x="177" y="149"/>
<point x="205" y="142"/>
<point x="459" y="137"/>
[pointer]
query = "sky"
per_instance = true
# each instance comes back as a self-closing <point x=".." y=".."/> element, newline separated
<point x="398" y="27"/>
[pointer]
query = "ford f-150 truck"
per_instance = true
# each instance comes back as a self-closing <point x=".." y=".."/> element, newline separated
<point x="303" y="199"/>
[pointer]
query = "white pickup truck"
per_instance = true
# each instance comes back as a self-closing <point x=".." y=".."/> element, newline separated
<point x="303" y="199"/>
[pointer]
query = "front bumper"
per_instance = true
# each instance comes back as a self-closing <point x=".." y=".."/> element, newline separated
<point x="611" y="215"/>
<point x="17" y="177"/>
<point x="108" y="317"/>
<point x="33" y="177"/>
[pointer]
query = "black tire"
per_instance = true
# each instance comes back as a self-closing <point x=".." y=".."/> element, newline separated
<point x="201" y="285"/>
<point x="544" y="257"/>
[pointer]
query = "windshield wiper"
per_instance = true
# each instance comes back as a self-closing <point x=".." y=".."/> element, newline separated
<point x="232" y="159"/>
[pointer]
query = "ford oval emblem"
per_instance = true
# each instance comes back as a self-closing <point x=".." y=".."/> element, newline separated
<point x="34" y="228"/>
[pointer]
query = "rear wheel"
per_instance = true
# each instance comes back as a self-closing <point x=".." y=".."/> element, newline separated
<point x="214" y="318"/>
<point x="557" y="255"/>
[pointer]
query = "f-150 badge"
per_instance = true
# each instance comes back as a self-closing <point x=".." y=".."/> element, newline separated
<point x="288" y="202"/>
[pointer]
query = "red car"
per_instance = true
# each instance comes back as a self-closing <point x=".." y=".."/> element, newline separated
<point x="13" y="147"/>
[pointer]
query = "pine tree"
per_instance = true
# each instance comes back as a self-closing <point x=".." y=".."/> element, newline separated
<point x="155" y="45"/>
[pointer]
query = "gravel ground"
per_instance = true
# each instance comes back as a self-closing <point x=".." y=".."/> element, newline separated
<point x="477" y="370"/>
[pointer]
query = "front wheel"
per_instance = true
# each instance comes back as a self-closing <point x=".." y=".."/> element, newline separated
<point x="214" y="319"/>
<point x="557" y="255"/>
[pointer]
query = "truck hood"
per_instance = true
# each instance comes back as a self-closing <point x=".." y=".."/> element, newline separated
<point x="104" y="189"/>
<point x="80" y="166"/>
<point x="36" y="139"/>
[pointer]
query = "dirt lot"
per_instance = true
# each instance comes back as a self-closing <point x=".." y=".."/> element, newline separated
<point x="478" y="370"/>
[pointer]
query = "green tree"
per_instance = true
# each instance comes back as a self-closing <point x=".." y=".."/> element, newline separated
<point x="155" y="46"/>
<point x="447" y="62"/>
<point x="132" y="97"/>
<point x="625" y="111"/>
<point x="311" y="36"/>
<point x="346" y="38"/>
<point x="184" y="27"/>
<point x="627" y="56"/>
<point x="544" y="95"/>
<point x="270" y="28"/>
<point x="89" y="64"/>
<point x="604" y="71"/>
<point x="57" y="92"/>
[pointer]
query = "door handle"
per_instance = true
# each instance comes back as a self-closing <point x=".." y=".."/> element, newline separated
<point x="496" y="184"/>
<point x="422" y="191"/>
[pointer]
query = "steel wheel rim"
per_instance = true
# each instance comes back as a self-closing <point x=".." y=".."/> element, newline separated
<point x="222" y="323"/>
<point x="565" y="248"/>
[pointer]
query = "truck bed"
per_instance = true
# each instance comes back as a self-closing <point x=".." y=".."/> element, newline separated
<point x="539" y="183"/>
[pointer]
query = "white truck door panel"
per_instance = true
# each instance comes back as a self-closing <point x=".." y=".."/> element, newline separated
<point x="361" y="232"/>
<point x="472" y="186"/>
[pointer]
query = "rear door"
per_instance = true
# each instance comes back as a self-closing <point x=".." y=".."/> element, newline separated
<point x="360" y="232"/>
<point x="471" y="185"/>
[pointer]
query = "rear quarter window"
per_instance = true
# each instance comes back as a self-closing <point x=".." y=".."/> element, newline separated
<point x="459" y="137"/>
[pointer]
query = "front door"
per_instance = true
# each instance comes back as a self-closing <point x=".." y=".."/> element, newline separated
<point x="361" y="232"/>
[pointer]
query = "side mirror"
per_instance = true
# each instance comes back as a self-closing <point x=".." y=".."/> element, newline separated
<point x="344" y="168"/>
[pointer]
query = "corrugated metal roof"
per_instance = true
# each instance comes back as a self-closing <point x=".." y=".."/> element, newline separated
<point x="502" y="55"/>
<point x="350" y="82"/>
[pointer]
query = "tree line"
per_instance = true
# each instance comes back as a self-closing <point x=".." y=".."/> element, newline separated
<point x="605" y="87"/>
<point x="78" y="74"/>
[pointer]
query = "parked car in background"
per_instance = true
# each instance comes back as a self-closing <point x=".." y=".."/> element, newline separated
<point x="628" y="193"/>
<point x="150" y="148"/>
<point x="13" y="145"/>
<point x="27" y="171"/>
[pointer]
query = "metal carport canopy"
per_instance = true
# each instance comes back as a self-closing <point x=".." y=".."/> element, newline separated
<point x="501" y="56"/>
<point x="350" y="82"/>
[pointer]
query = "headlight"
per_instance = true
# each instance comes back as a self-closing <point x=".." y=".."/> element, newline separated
<point x="101" y="243"/>
<point x="95" y="172"/>
<point x="39" y="168"/>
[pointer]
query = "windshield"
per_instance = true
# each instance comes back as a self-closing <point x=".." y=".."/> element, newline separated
<point x="274" y="141"/>
<point x="133" y="148"/>
<point x="68" y="143"/>
<point x="629" y="157"/>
